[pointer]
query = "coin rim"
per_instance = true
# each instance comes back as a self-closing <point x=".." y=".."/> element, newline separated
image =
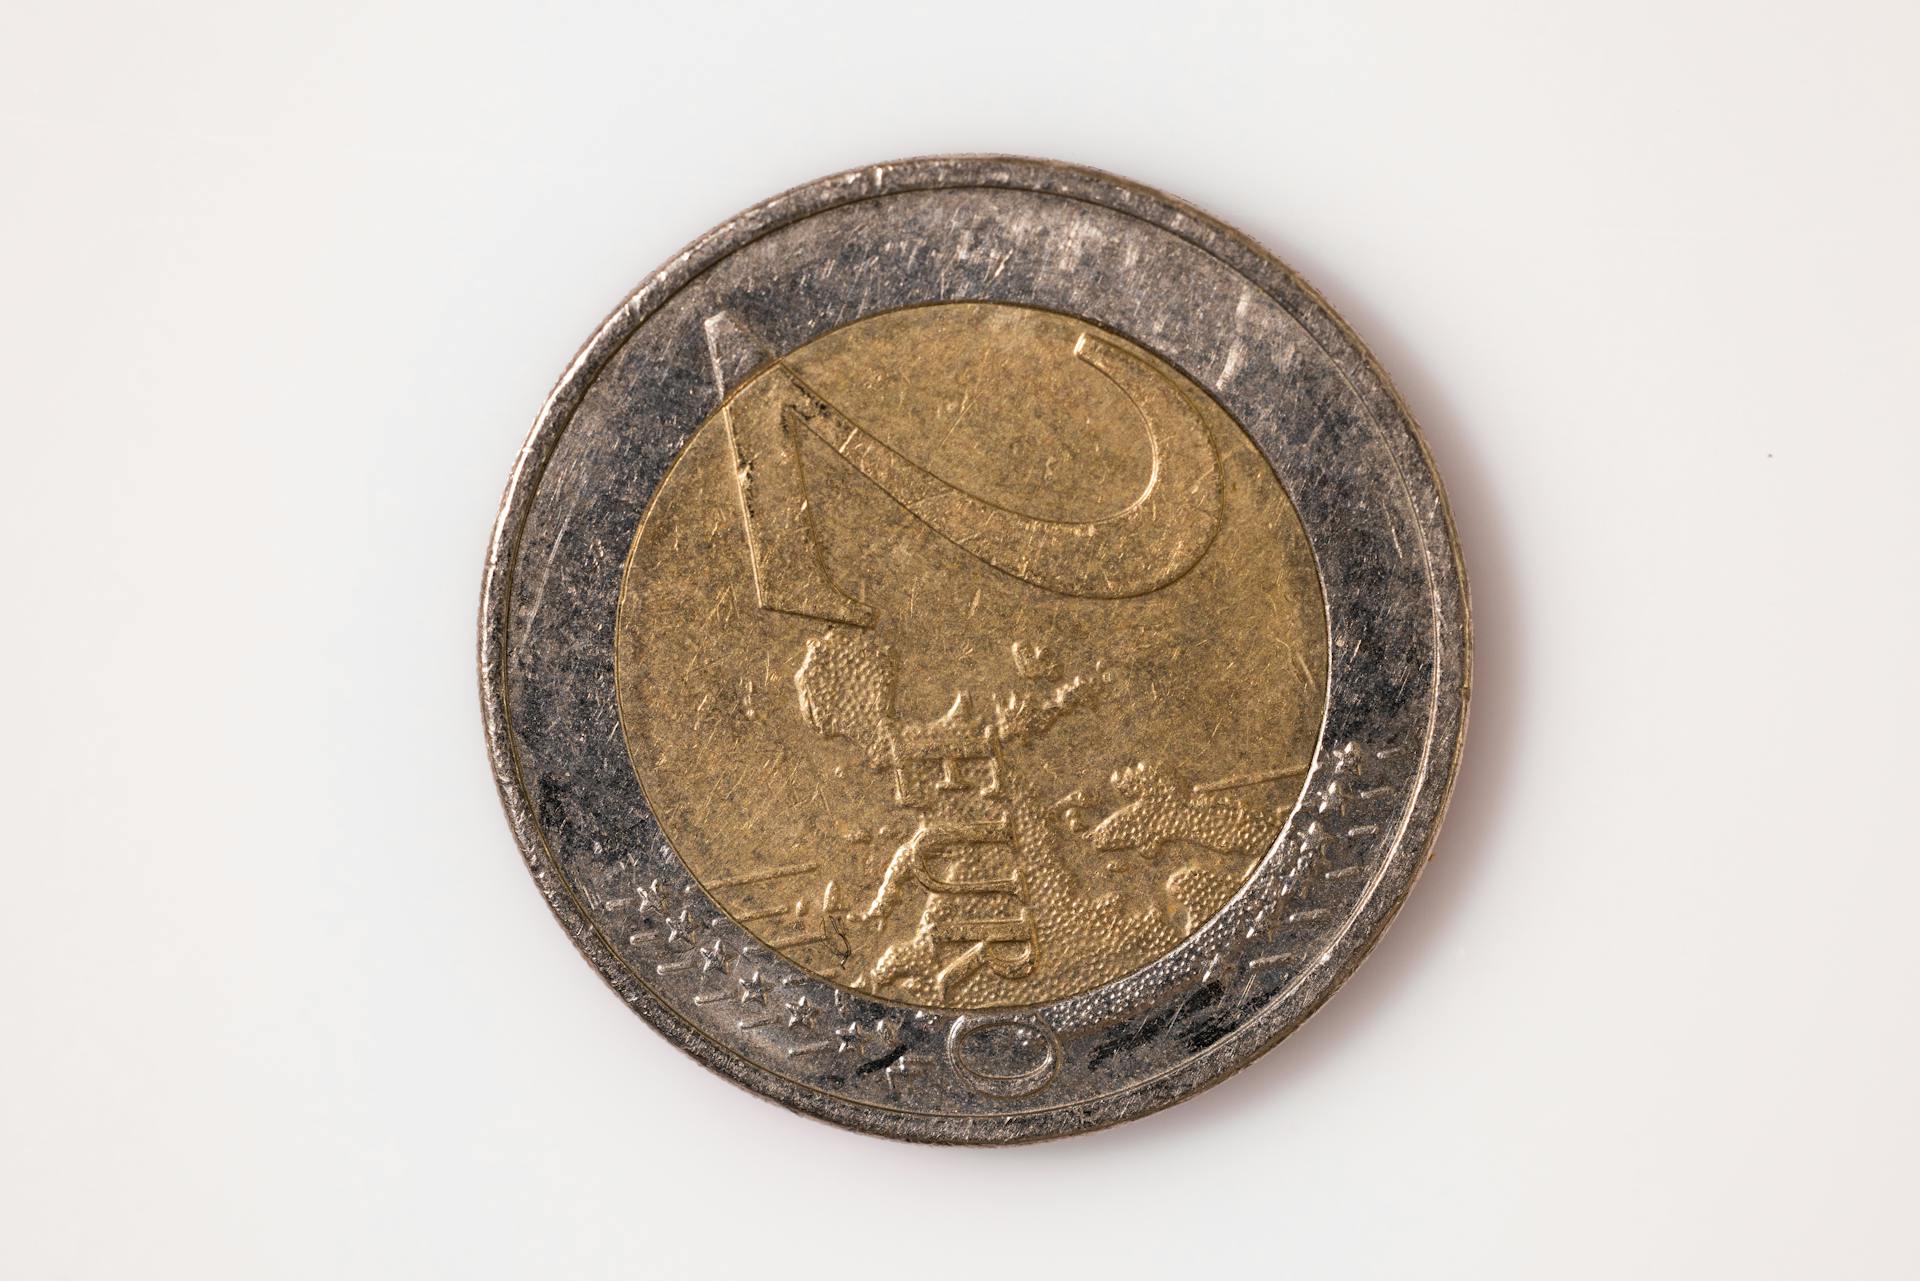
<point x="1452" y="617"/>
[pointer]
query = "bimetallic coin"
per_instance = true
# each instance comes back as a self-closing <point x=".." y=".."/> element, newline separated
<point x="974" y="650"/>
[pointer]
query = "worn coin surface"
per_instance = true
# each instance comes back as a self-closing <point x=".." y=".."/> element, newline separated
<point x="974" y="650"/>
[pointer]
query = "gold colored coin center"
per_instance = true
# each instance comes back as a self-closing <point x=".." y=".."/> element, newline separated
<point x="970" y="656"/>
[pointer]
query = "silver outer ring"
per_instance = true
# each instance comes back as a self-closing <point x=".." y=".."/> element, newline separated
<point x="1242" y="325"/>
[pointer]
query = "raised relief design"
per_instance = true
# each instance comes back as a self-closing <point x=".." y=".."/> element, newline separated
<point x="1323" y="866"/>
<point x="682" y="948"/>
<point x="1159" y="810"/>
<point x="1145" y="545"/>
<point x="1082" y="557"/>
<point x="1003" y="1056"/>
<point x="961" y="869"/>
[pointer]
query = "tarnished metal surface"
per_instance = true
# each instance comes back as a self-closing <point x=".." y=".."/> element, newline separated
<point x="968" y="788"/>
<point x="1219" y="320"/>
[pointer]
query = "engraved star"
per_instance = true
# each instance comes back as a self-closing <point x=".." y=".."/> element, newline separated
<point x="850" y="1037"/>
<point x="899" y="1070"/>
<point x="1346" y="756"/>
<point x="683" y="929"/>
<point x="802" y="1013"/>
<point x="1337" y="798"/>
<point x="1258" y="923"/>
<point x="1315" y="839"/>
<point x="753" y="988"/>
<point x="714" y="957"/>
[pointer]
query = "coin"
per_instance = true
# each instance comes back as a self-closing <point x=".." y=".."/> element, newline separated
<point x="974" y="650"/>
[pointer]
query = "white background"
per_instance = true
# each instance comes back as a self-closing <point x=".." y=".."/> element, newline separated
<point x="283" y="286"/>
